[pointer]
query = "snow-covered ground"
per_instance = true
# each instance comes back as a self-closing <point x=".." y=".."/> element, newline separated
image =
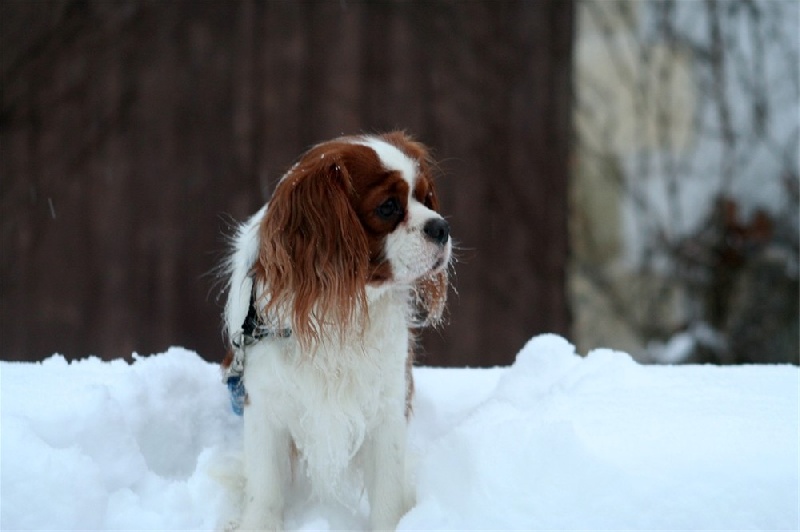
<point x="556" y="441"/>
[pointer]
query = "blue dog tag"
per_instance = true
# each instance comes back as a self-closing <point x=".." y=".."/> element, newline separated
<point x="237" y="391"/>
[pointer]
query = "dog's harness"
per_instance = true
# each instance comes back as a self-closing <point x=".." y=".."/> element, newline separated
<point x="253" y="330"/>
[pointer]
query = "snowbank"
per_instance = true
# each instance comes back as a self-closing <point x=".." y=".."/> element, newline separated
<point x="554" y="442"/>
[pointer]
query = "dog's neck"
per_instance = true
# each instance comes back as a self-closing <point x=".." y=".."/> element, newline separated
<point x="387" y="315"/>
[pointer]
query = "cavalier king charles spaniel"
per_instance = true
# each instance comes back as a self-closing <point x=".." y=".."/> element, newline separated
<point x="328" y="284"/>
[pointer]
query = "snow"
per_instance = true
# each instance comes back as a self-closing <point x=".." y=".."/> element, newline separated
<point x="555" y="441"/>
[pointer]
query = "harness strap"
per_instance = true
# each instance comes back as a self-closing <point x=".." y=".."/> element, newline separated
<point x="252" y="331"/>
<point x="251" y="320"/>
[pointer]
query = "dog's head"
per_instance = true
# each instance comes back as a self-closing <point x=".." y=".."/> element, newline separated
<point x="353" y="213"/>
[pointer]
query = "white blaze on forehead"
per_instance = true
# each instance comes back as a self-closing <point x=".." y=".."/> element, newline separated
<point x="392" y="158"/>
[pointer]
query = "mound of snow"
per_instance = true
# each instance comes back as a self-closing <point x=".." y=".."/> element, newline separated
<point x="600" y="442"/>
<point x="555" y="441"/>
<point x="99" y="445"/>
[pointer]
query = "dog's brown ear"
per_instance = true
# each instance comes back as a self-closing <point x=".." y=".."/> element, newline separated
<point x="430" y="299"/>
<point x="314" y="256"/>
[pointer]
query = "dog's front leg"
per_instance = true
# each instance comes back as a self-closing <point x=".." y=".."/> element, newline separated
<point x="266" y="463"/>
<point x="385" y="472"/>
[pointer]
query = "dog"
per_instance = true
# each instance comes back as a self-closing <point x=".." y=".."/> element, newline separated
<point x="328" y="285"/>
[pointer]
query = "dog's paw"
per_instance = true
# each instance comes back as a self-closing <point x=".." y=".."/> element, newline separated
<point x="258" y="519"/>
<point x="229" y="526"/>
<point x="387" y="517"/>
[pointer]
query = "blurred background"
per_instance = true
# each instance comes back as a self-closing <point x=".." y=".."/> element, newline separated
<point x="620" y="172"/>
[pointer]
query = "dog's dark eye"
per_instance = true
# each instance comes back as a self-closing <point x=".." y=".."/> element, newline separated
<point x="389" y="209"/>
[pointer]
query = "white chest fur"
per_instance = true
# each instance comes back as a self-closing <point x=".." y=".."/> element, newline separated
<point x="329" y="403"/>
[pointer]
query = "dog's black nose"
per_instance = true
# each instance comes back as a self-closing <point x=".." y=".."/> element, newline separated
<point x="437" y="230"/>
